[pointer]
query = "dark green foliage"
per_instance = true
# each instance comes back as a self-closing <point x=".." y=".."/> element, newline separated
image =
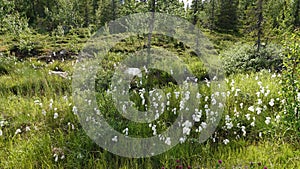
<point x="11" y="20"/>
<point x="5" y="65"/>
<point x="26" y="46"/>
<point x="290" y="81"/>
<point x="227" y="19"/>
<point x="245" y="58"/>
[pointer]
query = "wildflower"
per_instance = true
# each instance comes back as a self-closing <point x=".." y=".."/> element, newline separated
<point x="18" y="131"/>
<point x="251" y="108"/>
<point x="203" y="124"/>
<point x="262" y="90"/>
<point x="199" y="129"/>
<point x="115" y="139"/>
<point x="27" y="128"/>
<point x="227" y="118"/>
<point x="44" y="112"/>
<point x="247" y="116"/>
<point x="271" y="103"/>
<point x="181" y="105"/>
<point x="228" y="93"/>
<point x="229" y="125"/>
<point x="36" y="101"/>
<point x="237" y="114"/>
<point x="97" y="111"/>
<point x="277" y="118"/>
<point x="252" y="124"/>
<point x="207" y="82"/>
<point x="55" y="116"/>
<point x="241" y="105"/>
<point x="72" y="126"/>
<point x="56" y="157"/>
<point x="259" y="83"/>
<point x="187" y="95"/>
<point x="267" y="93"/>
<point x="232" y="82"/>
<point x="268" y="120"/>
<point x="176" y="94"/>
<point x="125" y="131"/>
<point x="198" y="96"/>
<point x="74" y="110"/>
<point x="174" y="110"/>
<point x="187" y="127"/>
<point x="65" y="98"/>
<point x="226" y="141"/>
<point x="1" y="133"/>
<point x="168" y="141"/>
<point x="258" y="110"/>
<point x="177" y="161"/>
<point x="51" y="103"/>
<point x="213" y="101"/>
<point x="265" y="167"/>
<point x="244" y="130"/>
<point x="259" y="101"/>
<point x="182" y="140"/>
<point x="265" y="107"/>
<point x="153" y="129"/>
<point x="220" y="161"/>
<point x="1" y="123"/>
<point x="197" y="115"/>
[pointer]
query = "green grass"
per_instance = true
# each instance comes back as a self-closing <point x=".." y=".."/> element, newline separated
<point x="30" y="99"/>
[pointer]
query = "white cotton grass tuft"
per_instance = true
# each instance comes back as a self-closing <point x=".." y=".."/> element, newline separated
<point x="55" y="116"/>
<point x="168" y="141"/>
<point x="271" y="103"/>
<point x="115" y="139"/>
<point x="226" y="141"/>
<point x="18" y="131"/>
<point x="251" y="108"/>
<point x="44" y="112"/>
<point x="125" y="131"/>
<point x="268" y="120"/>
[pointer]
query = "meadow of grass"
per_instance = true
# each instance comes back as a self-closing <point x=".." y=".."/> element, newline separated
<point x="39" y="127"/>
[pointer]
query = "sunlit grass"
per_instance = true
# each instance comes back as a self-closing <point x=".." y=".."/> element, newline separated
<point x="46" y="140"/>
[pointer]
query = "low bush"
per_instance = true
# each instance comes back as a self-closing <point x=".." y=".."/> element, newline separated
<point x="290" y="82"/>
<point x="245" y="58"/>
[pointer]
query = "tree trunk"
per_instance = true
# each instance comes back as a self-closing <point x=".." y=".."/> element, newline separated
<point x="195" y="12"/>
<point x="296" y="14"/>
<point x="152" y="10"/>
<point x="212" y="15"/>
<point x="259" y="24"/>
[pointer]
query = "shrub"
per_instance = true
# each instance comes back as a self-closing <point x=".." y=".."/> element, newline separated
<point x="26" y="44"/>
<point x="11" y="21"/>
<point x="244" y="58"/>
<point x="290" y="81"/>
